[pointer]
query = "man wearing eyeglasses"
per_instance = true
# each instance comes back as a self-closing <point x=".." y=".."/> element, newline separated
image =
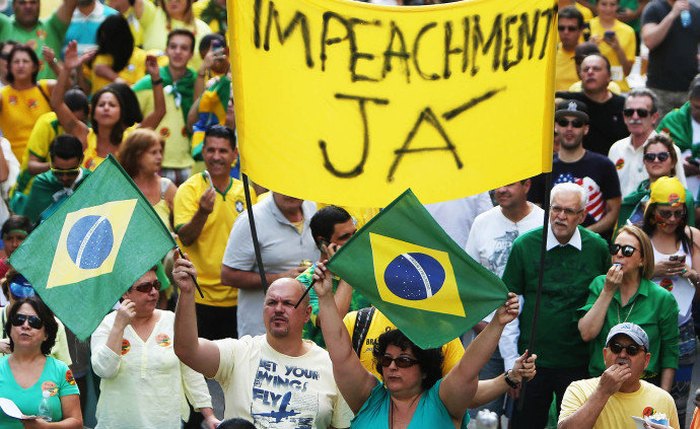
<point x="575" y="256"/>
<point x="51" y="188"/>
<point x="570" y="26"/>
<point x="641" y="115"/>
<point x="618" y="395"/>
<point x="573" y="163"/>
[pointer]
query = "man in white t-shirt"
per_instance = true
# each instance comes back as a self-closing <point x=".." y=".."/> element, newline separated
<point x="490" y="240"/>
<point x="273" y="380"/>
<point x="640" y="115"/>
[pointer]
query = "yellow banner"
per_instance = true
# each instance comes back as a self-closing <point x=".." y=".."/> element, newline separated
<point x="350" y="103"/>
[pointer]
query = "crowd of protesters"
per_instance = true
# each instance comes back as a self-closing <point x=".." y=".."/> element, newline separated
<point x="150" y="84"/>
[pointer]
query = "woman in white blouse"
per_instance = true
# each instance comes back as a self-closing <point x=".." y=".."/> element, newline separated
<point x="144" y="385"/>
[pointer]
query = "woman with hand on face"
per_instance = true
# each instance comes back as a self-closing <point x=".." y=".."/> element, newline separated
<point x="413" y="392"/>
<point x="132" y="351"/>
<point x="27" y="374"/>
<point x="626" y="294"/>
<point x="676" y="247"/>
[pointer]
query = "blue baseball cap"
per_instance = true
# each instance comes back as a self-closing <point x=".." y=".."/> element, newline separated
<point x="20" y="288"/>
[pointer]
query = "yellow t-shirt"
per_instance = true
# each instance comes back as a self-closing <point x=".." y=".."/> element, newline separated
<point x="20" y="110"/>
<point x="565" y="74"/>
<point x="586" y="12"/>
<point x="452" y="351"/>
<point x="207" y="252"/>
<point x="628" y="43"/>
<point x="134" y="70"/>
<point x="621" y="406"/>
<point x="43" y="133"/>
<point x="155" y="31"/>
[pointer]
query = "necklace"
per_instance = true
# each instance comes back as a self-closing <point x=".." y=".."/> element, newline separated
<point x="628" y="313"/>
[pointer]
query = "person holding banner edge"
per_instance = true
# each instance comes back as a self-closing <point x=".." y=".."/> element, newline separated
<point x="415" y="393"/>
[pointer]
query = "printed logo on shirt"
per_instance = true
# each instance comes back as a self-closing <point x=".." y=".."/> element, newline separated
<point x="50" y="386"/>
<point x="126" y="347"/>
<point x="41" y="34"/>
<point x="32" y="103"/>
<point x="648" y="412"/>
<point x="183" y="131"/>
<point x="163" y="340"/>
<point x="282" y="397"/>
<point x="666" y="283"/>
<point x="165" y="132"/>
<point x="239" y="206"/>
<point x="619" y="164"/>
<point x="69" y="377"/>
<point x="12" y="99"/>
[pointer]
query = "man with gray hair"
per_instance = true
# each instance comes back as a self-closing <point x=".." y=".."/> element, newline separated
<point x="575" y="256"/>
<point x="641" y="115"/>
<point x="610" y="400"/>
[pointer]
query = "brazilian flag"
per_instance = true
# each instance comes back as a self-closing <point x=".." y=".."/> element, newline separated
<point x="412" y="271"/>
<point x="93" y="248"/>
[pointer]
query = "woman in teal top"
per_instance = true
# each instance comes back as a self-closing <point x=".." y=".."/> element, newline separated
<point x="28" y="372"/>
<point x="413" y="395"/>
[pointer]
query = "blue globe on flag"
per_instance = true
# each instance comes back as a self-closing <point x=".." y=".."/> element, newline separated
<point x="90" y="241"/>
<point x="414" y="276"/>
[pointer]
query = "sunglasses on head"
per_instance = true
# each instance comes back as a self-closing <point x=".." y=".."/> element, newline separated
<point x="661" y="156"/>
<point x="668" y="214"/>
<point x="570" y="28"/>
<point x="68" y="172"/>
<point x="627" y="250"/>
<point x="401" y="361"/>
<point x="34" y="321"/>
<point x="631" y="349"/>
<point x="146" y="287"/>
<point x="576" y="123"/>
<point x="642" y="113"/>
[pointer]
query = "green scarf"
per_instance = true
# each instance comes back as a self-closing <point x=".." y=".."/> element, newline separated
<point x="182" y="90"/>
<point x="677" y="123"/>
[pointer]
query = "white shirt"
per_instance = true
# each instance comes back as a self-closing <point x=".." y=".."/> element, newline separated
<point x="490" y="241"/>
<point x="574" y="241"/>
<point x="457" y="216"/>
<point x="629" y="163"/>
<point x="278" y="391"/>
<point x="145" y="386"/>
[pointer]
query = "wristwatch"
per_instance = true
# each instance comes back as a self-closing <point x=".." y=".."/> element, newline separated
<point x="510" y="381"/>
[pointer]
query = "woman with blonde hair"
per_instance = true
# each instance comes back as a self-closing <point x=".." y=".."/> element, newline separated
<point x="627" y="294"/>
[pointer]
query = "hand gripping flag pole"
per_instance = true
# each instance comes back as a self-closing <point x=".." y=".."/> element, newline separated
<point x="254" y="232"/>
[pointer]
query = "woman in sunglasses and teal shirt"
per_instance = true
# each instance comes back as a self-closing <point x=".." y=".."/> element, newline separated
<point x="413" y="393"/>
<point x="676" y="247"/>
<point x="28" y="374"/>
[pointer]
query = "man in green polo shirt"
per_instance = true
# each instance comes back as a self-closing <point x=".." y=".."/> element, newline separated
<point x="24" y="26"/>
<point x="574" y="257"/>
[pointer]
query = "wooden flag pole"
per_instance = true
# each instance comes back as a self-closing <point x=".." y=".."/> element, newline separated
<point x="254" y="232"/>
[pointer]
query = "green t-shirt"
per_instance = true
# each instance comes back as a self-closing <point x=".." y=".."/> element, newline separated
<point x="654" y="309"/>
<point x="56" y="378"/>
<point x="568" y="272"/>
<point x="48" y="32"/>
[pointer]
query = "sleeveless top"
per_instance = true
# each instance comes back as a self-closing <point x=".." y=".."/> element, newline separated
<point x="675" y="284"/>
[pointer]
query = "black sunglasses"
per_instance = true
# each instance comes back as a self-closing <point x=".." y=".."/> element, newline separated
<point x="627" y="250"/>
<point x="576" y="123"/>
<point x="651" y="156"/>
<point x="147" y="286"/>
<point x="571" y="28"/>
<point x="401" y="361"/>
<point x="631" y="349"/>
<point x="71" y="172"/>
<point x="34" y="321"/>
<point x="668" y="214"/>
<point x="642" y="113"/>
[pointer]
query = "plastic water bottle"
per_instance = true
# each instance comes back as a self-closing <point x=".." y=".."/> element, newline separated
<point x="486" y="419"/>
<point x="45" y="406"/>
<point x="685" y="18"/>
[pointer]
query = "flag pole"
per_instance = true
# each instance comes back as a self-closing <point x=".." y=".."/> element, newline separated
<point x="540" y="278"/>
<point x="254" y="232"/>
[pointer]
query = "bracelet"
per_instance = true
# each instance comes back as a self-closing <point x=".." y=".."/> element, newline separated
<point x="510" y="382"/>
<point x="157" y="81"/>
